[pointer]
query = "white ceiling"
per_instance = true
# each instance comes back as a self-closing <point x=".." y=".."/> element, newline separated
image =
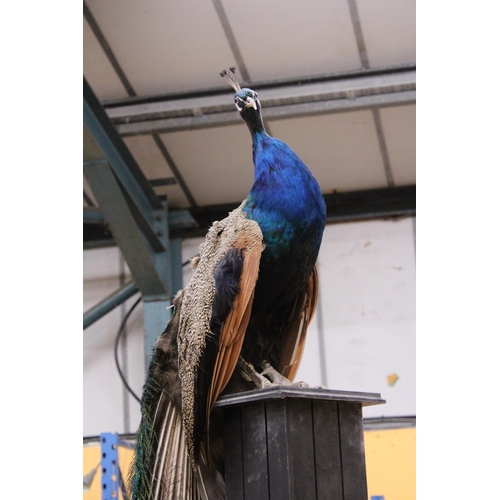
<point x="173" y="46"/>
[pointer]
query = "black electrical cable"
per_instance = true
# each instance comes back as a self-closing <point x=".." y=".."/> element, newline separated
<point x="117" y="340"/>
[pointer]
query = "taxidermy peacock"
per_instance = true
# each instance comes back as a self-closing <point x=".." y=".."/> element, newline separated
<point x="239" y="324"/>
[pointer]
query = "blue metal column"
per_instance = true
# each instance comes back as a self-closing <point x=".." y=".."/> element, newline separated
<point x="156" y="315"/>
<point x="176" y="264"/>
<point x="156" y="312"/>
<point x="109" y="465"/>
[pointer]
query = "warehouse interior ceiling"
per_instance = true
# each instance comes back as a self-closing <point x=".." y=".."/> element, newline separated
<point x="337" y="82"/>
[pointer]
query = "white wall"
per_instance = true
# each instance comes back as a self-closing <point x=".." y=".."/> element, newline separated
<point x="106" y="405"/>
<point x="366" y="314"/>
<point x="363" y="331"/>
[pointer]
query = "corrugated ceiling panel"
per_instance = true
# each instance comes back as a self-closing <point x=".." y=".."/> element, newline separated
<point x="389" y="30"/>
<point x="341" y="149"/>
<point x="165" y="46"/>
<point x="216" y="163"/>
<point x="148" y="156"/>
<point x="98" y="70"/>
<point x="290" y="38"/>
<point x="399" y="126"/>
<point x="154" y="166"/>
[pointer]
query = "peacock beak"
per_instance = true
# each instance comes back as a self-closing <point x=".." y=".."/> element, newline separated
<point x="251" y="103"/>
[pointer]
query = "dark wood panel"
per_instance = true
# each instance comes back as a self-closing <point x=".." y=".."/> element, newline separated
<point x="300" y="427"/>
<point x="287" y="443"/>
<point x="327" y="451"/>
<point x="280" y="465"/>
<point x="253" y="424"/>
<point x="352" y="452"/>
<point x="233" y="453"/>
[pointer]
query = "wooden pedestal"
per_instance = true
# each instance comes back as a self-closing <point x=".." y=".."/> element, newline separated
<point x="289" y="443"/>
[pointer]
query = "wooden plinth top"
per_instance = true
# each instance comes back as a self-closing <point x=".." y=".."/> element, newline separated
<point x="313" y="393"/>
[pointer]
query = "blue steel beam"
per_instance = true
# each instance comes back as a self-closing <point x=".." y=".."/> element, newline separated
<point x="109" y="303"/>
<point x="136" y="217"/>
<point x="92" y="216"/>
<point x="115" y="150"/>
<point x="176" y="264"/>
<point x="107" y="146"/>
<point x="177" y="219"/>
<point x="150" y="269"/>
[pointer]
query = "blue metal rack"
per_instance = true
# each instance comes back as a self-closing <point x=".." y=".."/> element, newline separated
<point x="109" y="464"/>
<point x="112" y="481"/>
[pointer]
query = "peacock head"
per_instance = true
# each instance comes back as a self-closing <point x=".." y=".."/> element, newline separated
<point x="247" y="102"/>
<point x="246" y="98"/>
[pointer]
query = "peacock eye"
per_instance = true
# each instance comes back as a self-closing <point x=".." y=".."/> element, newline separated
<point x="239" y="104"/>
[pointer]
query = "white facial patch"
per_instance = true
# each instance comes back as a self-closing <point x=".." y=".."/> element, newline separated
<point x="251" y="103"/>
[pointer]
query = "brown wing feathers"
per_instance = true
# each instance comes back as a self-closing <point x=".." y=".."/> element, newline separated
<point x="210" y="340"/>
<point x="235" y="325"/>
<point x="294" y="335"/>
<point x="215" y="314"/>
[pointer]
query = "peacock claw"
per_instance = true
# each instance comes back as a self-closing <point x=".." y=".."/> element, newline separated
<point x="301" y="384"/>
<point x="277" y="378"/>
<point x="249" y="372"/>
<point x="268" y="377"/>
<point x="273" y="375"/>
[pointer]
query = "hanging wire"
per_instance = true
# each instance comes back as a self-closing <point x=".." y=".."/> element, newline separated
<point x="117" y="340"/>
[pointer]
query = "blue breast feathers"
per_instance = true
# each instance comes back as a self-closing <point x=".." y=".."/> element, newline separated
<point x="285" y="198"/>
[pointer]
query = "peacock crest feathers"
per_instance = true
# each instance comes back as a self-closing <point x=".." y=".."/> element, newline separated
<point x="231" y="79"/>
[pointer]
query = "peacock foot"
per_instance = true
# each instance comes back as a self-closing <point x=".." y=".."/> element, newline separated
<point x="268" y="377"/>
<point x="250" y="373"/>
<point x="274" y="375"/>
<point x="278" y="379"/>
